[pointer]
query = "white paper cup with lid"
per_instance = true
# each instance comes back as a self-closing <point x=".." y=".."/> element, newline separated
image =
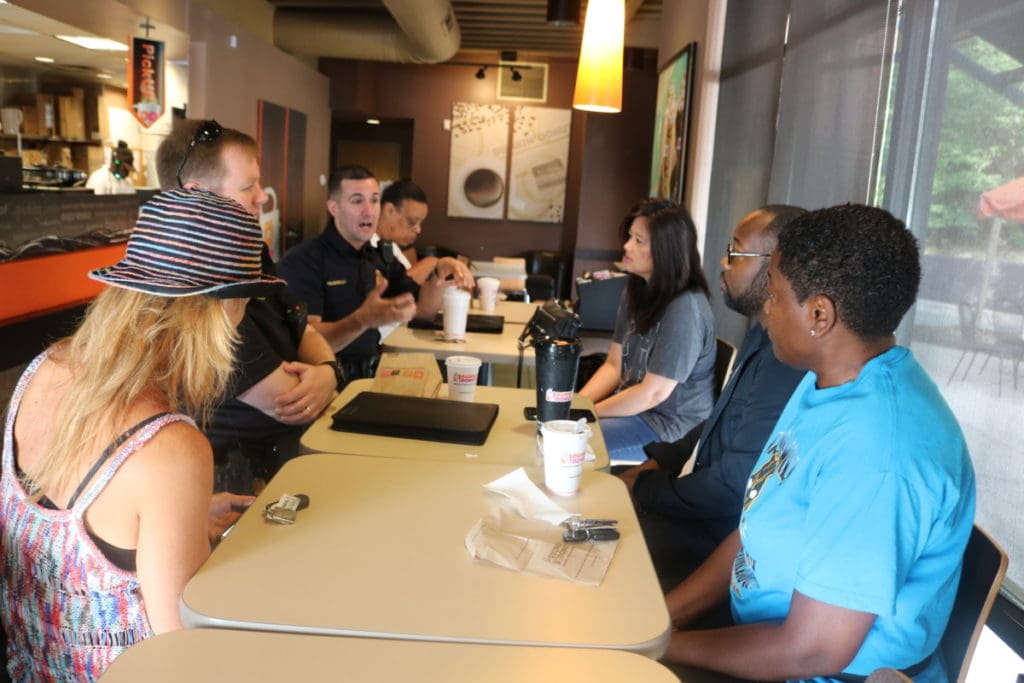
<point x="455" y="310"/>
<point x="564" y="444"/>
<point x="462" y="376"/>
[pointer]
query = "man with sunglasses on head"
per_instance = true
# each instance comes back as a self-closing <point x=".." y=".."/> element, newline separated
<point x="353" y="288"/>
<point x="685" y="518"/>
<point x="285" y="373"/>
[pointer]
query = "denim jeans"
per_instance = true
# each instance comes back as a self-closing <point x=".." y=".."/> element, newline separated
<point x="626" y="437"/>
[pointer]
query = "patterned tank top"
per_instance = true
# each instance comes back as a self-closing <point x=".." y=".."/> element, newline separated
<point x="67" y="610"/>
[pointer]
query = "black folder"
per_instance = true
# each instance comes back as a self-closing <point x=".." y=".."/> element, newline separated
<point x="412" y="417"/>
<point x="475" y="322"/>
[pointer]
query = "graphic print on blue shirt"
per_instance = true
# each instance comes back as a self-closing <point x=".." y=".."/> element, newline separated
<point x="781" y="461"/>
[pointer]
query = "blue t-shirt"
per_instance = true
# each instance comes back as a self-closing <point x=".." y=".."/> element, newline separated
<point x="862" y="498"/>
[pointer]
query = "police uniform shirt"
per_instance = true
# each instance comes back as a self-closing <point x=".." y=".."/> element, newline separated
<point x="334" y="278"/>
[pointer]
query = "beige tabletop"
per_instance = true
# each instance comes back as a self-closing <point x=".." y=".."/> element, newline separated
<point x="515" y="312"/>
<point x="490" y="348"/>
<point x="222" y="655"/>
<point x="380" y="552"/>
<point x="512" y="440"/>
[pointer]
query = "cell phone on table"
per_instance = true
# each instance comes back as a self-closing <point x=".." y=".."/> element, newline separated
<point x="530" y="412"/>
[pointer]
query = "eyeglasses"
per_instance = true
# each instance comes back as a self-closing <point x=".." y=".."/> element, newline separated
<point x="208" y="131"/>
<point x="730" y="254"/>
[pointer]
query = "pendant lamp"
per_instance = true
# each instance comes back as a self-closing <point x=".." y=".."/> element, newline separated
<point x="599" y="75"/>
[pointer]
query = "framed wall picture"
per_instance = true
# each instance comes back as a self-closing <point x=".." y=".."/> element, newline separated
<point x="671" y="125"/>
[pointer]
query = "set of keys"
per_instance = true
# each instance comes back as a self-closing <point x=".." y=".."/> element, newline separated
<point x="285" y="509"/>
<point x="579" y="529"/>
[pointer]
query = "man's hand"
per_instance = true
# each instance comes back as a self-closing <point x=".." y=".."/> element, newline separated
<point x="377" y="311"/>
<point x="316" y="389"/>
<point x="225" y="509"/>
<point x="629" y="476"/>
<point x="459" y="272"/>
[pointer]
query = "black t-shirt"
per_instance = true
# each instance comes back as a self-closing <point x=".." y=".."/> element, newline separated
<point x="270" y="334"/>
<point x="334" y="278"/>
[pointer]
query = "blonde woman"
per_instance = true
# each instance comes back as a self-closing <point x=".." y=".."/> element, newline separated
<point x="105" y="506"/>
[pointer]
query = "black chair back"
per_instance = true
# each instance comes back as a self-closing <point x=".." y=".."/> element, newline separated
<point x="983" y="572"/>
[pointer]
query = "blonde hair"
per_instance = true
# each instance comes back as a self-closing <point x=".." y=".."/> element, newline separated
<point x="132" y="345"/>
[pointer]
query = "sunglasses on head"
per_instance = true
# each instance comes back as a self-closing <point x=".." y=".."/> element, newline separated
<point x="208" y="131"/>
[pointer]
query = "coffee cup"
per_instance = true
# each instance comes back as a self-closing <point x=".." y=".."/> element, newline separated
<point x="564" y="444"/>
<point x="488" y="287"/>
<point x="462" y="376"/>
<point x="455" y="309"/>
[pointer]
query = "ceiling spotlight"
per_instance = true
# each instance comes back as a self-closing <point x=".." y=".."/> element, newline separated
<point x="516" y="76"/>
<point x="481" y="72"/>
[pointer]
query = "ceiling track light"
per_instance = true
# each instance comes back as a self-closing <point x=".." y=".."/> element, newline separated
<point x="481" y="69"/>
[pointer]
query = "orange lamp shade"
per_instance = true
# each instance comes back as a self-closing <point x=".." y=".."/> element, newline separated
<point x="599" y="75"/>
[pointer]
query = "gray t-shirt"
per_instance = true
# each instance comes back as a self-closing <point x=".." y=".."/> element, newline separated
<point x="680" y="346"/>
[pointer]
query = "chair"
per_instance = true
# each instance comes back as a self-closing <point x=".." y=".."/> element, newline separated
<point x="548" y="274"/>
<point x="725" y="356"/>
<point x="1005" y="341"/>
<point x="514" y="287"/>
<point x="983" y="571"/>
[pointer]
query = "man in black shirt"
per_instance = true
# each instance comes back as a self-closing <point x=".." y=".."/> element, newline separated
<point x="352" y="288"/>
<point x="285" y="373"/>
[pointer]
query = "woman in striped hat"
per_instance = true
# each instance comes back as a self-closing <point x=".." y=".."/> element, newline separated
<point x="105" y="505"/>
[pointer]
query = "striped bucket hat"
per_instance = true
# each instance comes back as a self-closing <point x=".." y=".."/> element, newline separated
<point x="189" y="242"/>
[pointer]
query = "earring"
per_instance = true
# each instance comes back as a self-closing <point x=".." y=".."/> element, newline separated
<point x="813" y="333"/>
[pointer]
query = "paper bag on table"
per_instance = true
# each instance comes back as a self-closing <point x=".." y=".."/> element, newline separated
<point x="536" y="547"/>
<point x="407" y="374"/>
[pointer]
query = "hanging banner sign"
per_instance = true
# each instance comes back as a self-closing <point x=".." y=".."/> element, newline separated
<point x="146" y="80"/>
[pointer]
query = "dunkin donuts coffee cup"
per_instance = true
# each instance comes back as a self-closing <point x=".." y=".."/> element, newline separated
<point x="564" y="444"/>
<point x="462" y="374"/>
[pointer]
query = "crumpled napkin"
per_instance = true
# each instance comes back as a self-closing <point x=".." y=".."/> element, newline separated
<point x="528" y="500"/>
<point x="532" y="542"/>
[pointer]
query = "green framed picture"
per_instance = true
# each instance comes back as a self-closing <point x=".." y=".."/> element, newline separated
<point x="671" y="125"/>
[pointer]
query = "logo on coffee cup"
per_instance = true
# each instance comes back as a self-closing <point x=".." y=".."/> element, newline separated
<point x="552" y="396"/>
<point x="573" y="458"/>
<point x="463" y="378"/>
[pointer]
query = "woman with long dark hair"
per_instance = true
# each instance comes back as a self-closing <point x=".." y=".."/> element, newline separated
<point x="656" y="383"/>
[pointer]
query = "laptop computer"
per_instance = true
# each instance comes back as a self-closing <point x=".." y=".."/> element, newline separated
<point x="475" y="322"/>
<point x="414" y="417"/>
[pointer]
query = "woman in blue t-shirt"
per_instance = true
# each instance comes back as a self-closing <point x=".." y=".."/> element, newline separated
<point x="656" y="383"/>
<point x="856" y="515"/>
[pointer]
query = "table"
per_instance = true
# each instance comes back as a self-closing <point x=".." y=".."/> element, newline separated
<point x="216" y="656"/>
<point x="512" y="440"/>
<point x="500" y="349"/>
<point x="380" y="552"/>
<point x="514" y="312"/>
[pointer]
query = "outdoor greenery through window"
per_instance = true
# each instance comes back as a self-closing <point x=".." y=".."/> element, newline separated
<point x="968" y="326"/>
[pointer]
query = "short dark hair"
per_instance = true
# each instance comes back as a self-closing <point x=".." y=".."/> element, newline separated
<point x="676" y="261"/>
<point x="400" y="190"/>
<point x="204" y="164"/>
<point x="861" y="257"/>
<point x="782" y="215"/>
<point x="347" y="172"/>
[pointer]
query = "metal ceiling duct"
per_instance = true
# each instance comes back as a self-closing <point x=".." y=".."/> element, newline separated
<point x="421" y="31"/>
